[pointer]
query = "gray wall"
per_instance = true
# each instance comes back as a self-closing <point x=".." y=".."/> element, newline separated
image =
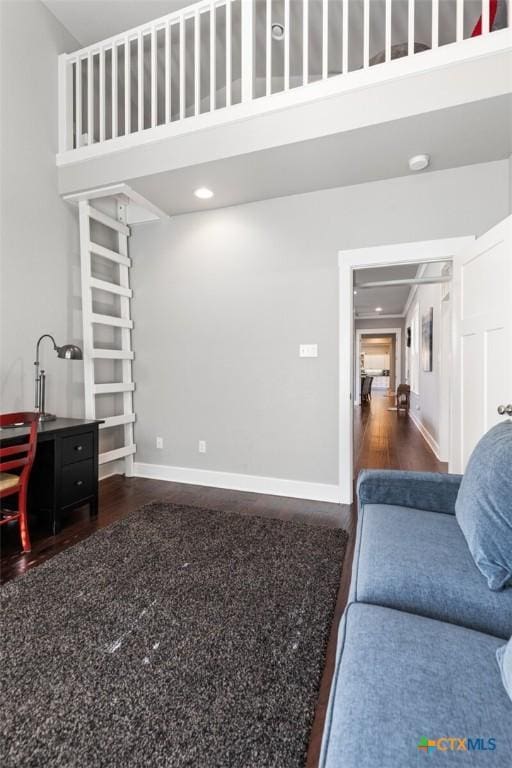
<point x="224" y="298"/>
<point x="426" y="403"/>
<point x="39" y="264"/>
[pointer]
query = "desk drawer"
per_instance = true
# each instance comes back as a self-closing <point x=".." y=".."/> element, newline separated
<point x="77" y="482"/>
<point x="77" y="447"/>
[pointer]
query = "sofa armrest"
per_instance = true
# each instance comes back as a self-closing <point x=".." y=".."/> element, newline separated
<point x="432" y="491"/>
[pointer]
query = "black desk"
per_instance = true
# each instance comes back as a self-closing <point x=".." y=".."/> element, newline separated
<point x="65" y="471"/>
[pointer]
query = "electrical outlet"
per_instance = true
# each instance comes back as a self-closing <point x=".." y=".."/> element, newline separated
<point x="202" y="446"/>
<point x="159" y="442"/>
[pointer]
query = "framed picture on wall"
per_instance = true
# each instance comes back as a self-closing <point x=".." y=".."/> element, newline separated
<point x="427" y="328"/>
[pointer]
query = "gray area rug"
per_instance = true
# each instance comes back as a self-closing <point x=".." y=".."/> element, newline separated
<point x="176" y="637"/>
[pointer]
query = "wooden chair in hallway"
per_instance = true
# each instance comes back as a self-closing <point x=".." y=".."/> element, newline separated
<point x="403" y="398"/>
<point x="19" y="456"/>
<point x="366" y="390"/>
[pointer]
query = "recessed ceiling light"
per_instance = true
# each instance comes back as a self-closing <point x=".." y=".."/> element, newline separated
<point x="419" y="162"/>
<point x="203" y="193"/>
<point x="277" y="31"/>
<point x="355" y="293"/>
<point x="378" y="309"/>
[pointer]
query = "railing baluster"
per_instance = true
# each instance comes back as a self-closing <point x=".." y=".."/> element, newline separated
<point x="90" y="87"/>
<point x="286" y="46"/>
<point x="485" y="17"/>
<point x="114" y="91"/>
<point x="325" y="38"/>
<point x="268" y="52"/>
<point x="247" y="32"/>
<point x="410" y="25"/>
<point x="228" y="52"/>
<point x="65" y="104"/>
<point x="78" y="90"/>
<point x="388" y="31"/>
<point x="213" y="55"/>
<point x="127" y="87"/>
<point x="154" y="103"/>
<point x="102" y="95"/>
<point x="305" y="42"/>
<point x="140" y="82"/>
<point x="167" y="44"/>
<point x="460" y="20"/>
<point x="435" y="23"/>
<point x="197" y="62"/>
<point x="182" y="67"/>
<point x="366" y="33"/>
<point x="344" y="53"/>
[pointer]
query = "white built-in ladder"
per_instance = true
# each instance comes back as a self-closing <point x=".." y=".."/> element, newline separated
<point x="89" y="318"/>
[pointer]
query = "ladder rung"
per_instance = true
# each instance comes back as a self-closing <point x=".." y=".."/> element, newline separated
<point x="111" y="389"/>
<point x="117" y="322"/>
<point x="108" y="221"/>
<point x="117" y="421"/>
<point x="117" y="453"/>
<point x="100" y="250"/>
<point x="103" y="285"/>
<point x="112" y="354"/>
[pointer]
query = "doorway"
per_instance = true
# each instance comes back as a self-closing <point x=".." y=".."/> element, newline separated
<point x="412" y="265"/>
<point x="378" y="353"/>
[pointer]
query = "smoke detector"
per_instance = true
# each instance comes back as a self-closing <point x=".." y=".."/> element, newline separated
<point x="419" y="162"/>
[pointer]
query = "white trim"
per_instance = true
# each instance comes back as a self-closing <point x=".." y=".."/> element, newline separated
<point x="234" y="481"/>
<point x="376" y="316"/>
<point x="124" y="193"/>
<point x="432" y="444"/>
<point x="374" y="256"/>
<point x="398" y="354"/>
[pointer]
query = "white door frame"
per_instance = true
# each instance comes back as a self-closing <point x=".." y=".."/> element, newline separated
<point x="398" y="354"/>
<point x="374" y="256"/>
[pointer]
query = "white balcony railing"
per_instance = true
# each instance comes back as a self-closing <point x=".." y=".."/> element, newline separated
<point x="217" y="54"/>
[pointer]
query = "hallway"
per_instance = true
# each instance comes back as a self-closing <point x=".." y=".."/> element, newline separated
<point x="385" y="440"/>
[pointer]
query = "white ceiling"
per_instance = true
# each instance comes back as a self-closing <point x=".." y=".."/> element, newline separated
<point x="90" y="21"/>
<point x="463" y="135"/>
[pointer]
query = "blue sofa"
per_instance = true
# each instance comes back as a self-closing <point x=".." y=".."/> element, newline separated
<point x="416" y="669"/>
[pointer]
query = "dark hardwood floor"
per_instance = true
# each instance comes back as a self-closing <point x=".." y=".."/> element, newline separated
<point x="382" y="440"/>
<point x="385" y="440"/>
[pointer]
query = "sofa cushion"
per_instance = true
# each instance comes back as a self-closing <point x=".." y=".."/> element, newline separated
<point x="419" y="562"/>
<point x="402" y="679"/>
<point x="433" y="491"/>
<point x="484" y="505"/>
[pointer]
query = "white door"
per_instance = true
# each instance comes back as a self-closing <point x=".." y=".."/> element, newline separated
<point x="483" y="360"/>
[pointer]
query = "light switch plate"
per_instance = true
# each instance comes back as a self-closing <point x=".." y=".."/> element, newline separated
<point x="308" y="350"/>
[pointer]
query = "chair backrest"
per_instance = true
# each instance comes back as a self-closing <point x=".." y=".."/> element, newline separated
<point x="365" y="389"/>
<point x="370" y="382"/>
<point x="403" y="389"/>
<point x="22" y="453"/>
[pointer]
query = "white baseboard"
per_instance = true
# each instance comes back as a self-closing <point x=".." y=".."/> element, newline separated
<point x="432" y="444"/>
<point x="273" y="486"/>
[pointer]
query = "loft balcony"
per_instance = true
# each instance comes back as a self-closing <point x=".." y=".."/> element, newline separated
<point x="221" y="78"/>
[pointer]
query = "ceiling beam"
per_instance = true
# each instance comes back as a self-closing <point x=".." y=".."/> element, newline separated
<point x="406" y="281"/>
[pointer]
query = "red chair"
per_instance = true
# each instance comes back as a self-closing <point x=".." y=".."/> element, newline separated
<point x="22" y="456"/>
